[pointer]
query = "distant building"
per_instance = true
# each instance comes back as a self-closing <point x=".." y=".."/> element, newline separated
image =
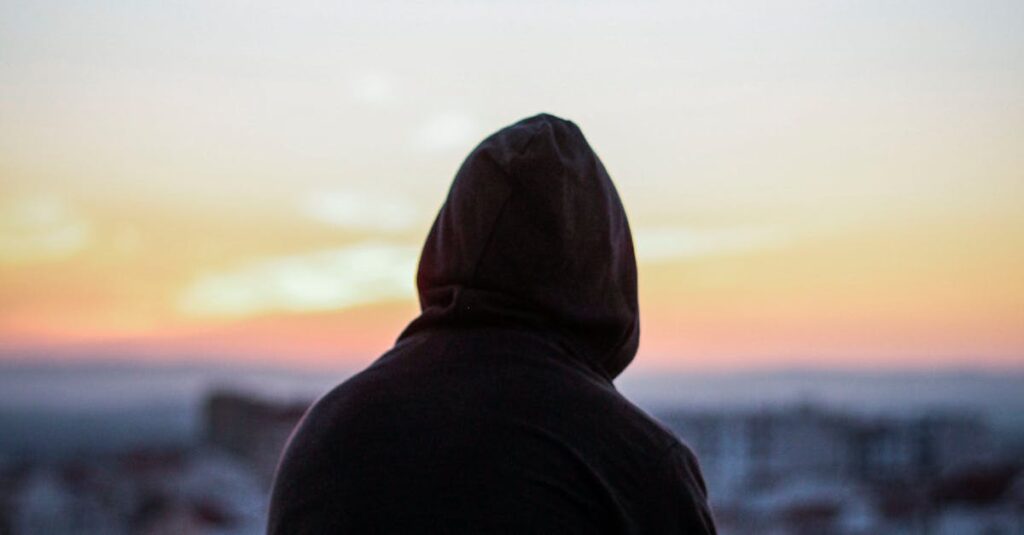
<point x="919" y="447"/>
<point x="809" y="470"/>
<point x="743" y="448"/>
<point x="253" y="429"/>
<point x="146" y="492"/>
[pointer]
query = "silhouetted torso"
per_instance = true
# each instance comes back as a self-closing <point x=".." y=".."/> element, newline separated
<point x="495" y="412"/>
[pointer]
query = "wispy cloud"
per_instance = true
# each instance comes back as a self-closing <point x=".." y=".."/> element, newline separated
<point x="445" y="131"/>
<point x="362" y="210"/>
<point x="661" y="244"/>
<point x="361" y="273"/>
<point x="40" y="228"/>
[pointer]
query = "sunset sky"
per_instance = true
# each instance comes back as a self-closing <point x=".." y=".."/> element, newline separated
<point x="809" y="183"/>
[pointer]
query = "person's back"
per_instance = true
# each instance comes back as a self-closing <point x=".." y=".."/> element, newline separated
<point x="495" y="412"/>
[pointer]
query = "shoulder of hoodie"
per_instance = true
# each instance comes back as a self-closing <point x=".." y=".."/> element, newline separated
<point x="670" y="441"/>
<point x="648" y="435"/>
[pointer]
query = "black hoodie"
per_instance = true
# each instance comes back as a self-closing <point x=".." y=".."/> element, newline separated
<point x="495" y="411"/>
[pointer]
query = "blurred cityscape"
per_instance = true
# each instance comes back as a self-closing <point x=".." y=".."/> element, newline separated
<point x="798" y="469"/>
<point x="804" y="470"/>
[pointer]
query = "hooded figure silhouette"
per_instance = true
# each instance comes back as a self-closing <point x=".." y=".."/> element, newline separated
<point x="495" y="411"/>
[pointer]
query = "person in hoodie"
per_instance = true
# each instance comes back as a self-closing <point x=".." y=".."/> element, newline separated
<point x="495" y="411"/>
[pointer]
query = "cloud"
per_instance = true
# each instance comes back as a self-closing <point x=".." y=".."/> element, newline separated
<point x="662" y="244"/>
<point x="373" y="88"/>
<point x="445" y="131"/>
<point x="362" y="210"/>
<point x="40" y="228"/>
<point x="378" y="271"/>
<point x="362" y="273"/>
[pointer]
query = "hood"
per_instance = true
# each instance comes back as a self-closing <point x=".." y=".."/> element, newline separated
<point x="533" y="234"/>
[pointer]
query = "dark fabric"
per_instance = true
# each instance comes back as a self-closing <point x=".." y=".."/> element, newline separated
<point x="495" y="411"/>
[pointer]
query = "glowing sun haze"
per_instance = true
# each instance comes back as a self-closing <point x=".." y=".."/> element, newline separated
<point x="809" y="183"/>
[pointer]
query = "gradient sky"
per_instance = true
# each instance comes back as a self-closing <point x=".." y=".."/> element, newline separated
<point x="809" y="183"/>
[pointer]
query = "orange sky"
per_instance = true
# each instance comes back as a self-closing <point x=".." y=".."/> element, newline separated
<point x="808" y="185"/>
